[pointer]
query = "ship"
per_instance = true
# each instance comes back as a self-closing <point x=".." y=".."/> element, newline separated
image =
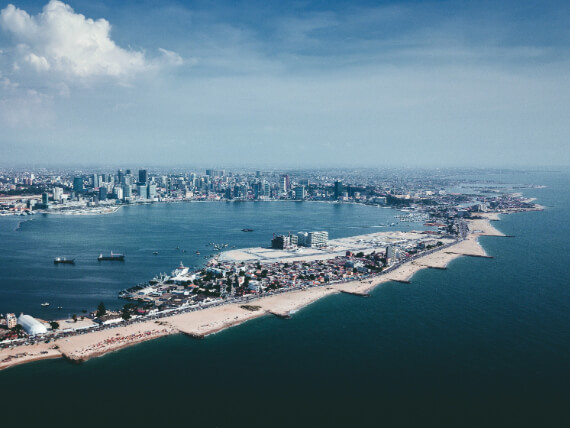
<point x="44" y="304"/>
<point x="112" y="257"/>
<point x="247" y="230"/>
<point x="180" y="270"/>
<point x="64" y="260"/>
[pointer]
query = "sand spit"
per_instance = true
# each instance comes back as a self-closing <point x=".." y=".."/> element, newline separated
<point x="26" y="354"/>
<point x="282" y="305"/>
<point x="208" y="321"/>
<point x="85" y="346"/>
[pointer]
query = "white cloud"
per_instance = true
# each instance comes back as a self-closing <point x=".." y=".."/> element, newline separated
<point x="62" y="41"/>
<point x="40" y="63"/>
<point x="171" y="57"/>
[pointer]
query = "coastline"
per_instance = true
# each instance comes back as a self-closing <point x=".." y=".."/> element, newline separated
<point x="199" y="324"/>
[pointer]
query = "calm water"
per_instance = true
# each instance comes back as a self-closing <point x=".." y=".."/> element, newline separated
<point x="484" y="343"/>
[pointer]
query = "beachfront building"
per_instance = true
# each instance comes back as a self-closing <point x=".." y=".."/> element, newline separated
<point x="317" y="239"/>
<point x="31" y="325"/>
<point x="280" y="242"/>
<point x="11" y="320"/>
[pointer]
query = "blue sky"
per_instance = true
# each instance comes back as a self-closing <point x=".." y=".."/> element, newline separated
<point x="285" y="83"/>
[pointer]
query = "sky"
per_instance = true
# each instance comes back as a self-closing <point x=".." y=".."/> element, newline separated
<point x="285" y="83"/>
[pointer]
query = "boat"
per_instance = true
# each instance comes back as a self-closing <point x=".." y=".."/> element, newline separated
<point x="247" y="230"/>
<point x="198" y="252"/>
<point x="112" y="257"/>
<point x="180" y="270"/>
<point x="44" y="304"/>
<point x="155" y="253"/>
<point x="63" y="260"/>
<point x="60" y="307"/>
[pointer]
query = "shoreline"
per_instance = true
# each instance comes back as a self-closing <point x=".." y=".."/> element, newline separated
<point x="200" y="324"/>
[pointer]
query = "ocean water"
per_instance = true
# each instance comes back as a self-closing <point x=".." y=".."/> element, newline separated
<point x="484" y="343"/>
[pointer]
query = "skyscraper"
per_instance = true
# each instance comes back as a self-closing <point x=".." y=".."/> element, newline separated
<point x="142" y="176"/>
<point x="78" y="184"/>
<point x="337" y="189"/>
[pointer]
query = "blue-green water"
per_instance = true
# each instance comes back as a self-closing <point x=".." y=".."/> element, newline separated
<point x="484" y="343"/>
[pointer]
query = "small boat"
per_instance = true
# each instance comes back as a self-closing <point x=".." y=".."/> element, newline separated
<point x="247" y="230"/>
<point x="155" y="253"/>
<point x="60" y="307"/>
<point x="198" y="252"/>
<point x="63" y="260"/>
<point x="44" y="304"/>
<point x="112" y="257"/>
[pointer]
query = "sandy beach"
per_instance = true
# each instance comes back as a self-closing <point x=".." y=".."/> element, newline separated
<point x="211" y="320"/>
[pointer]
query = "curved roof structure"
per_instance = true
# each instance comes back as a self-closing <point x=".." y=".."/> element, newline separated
<point x="31" y="325"/>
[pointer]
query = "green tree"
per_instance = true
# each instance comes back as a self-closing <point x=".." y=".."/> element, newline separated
<point x="54" y="325"/>
<point x="101" y="310"/>
<point x="74" y="317"/>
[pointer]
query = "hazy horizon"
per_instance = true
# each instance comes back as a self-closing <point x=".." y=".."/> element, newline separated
<point x="308" y="84"/>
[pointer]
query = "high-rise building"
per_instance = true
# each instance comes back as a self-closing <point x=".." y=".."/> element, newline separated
<point x="142" y="190"/>
<point x="143" y="176"/>
<point x="151" y="191"/>
<point x="300" y="192"/>
<point x="78" y="184"/>
<point x="283" y="184"/>
<point x="390" y="253"/>
<point x="95" y="180"/>
<point x="127" y="191"/>
<point x="57" y="194"/>
<point x="45" y="198"/>
<point x="118" y="192"/>
<point x="121" y="176"/>
<point x="337" y="189"/>
<point x="102" y="193"/>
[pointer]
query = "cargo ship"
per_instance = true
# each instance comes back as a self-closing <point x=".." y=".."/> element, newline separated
<point x="112" y="257"/>
<point x="63" y="260"/>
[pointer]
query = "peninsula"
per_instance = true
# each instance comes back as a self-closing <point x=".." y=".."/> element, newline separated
<point x="82" y="340"/>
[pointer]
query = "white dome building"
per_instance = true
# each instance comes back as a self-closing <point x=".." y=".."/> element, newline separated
<point x="31" y="325"/>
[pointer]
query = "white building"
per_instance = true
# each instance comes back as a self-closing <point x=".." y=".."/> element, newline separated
<point x="31" y="325"/>
<point x="317" y="239"/>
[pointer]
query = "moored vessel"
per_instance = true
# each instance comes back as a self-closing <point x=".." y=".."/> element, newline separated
<point x="112" y="257"/>
<point x="63" y="260"/>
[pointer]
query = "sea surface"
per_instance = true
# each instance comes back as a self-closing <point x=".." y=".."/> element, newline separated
<point x="484" y="343"/>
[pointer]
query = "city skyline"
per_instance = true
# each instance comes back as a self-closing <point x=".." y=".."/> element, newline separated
<point x="311" y="84"/>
